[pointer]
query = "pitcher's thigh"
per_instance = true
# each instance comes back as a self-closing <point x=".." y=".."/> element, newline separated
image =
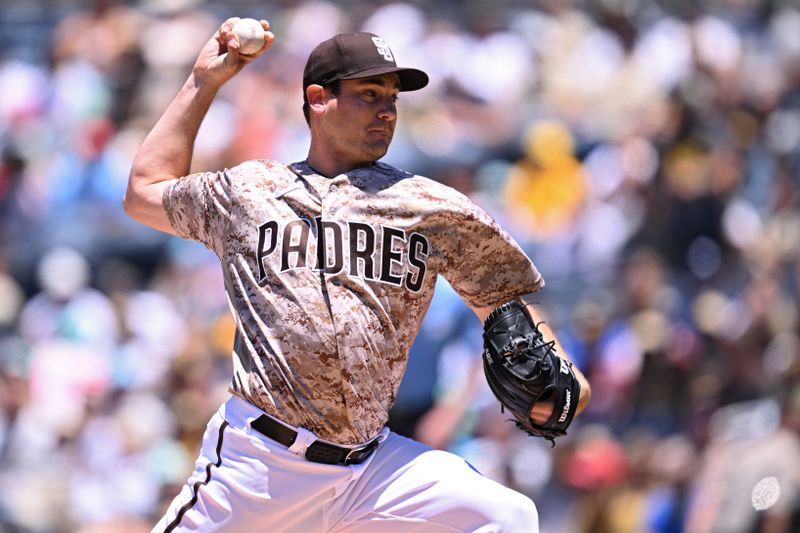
<point x="411" y="487"/>
<point x="238" y="485"/>
<point x="212" y="499"/>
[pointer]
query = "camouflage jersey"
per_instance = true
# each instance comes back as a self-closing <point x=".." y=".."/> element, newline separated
<point x="329" y="279"/>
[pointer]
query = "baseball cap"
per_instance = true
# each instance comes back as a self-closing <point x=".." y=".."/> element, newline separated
<point x="357" y="55"/>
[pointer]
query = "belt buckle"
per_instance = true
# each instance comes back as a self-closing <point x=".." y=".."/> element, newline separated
<point x="366" y="450"/>
<point x="347" y="460"/>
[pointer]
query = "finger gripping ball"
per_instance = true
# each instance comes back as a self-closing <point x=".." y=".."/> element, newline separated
<point x="250" y="35"/>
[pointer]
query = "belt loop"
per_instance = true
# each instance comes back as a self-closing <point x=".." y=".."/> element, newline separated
<point x="304" y="439"/>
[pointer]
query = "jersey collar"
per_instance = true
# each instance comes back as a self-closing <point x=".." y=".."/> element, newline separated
<point x="303" y="169"/>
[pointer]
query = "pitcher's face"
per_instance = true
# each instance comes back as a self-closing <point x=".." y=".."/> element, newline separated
<point x="359" y="122"/>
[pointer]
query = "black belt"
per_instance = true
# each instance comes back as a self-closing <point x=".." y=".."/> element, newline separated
<point x="317" y="451"/>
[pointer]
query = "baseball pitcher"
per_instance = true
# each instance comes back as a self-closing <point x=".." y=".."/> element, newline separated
<point x="329" y="265"/>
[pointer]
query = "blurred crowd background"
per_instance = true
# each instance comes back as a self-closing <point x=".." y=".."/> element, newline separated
<point x="644" y="153"/>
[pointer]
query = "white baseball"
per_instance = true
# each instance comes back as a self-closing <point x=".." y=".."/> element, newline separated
<point x="250" y="35"/>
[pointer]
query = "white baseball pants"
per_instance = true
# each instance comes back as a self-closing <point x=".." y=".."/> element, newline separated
<point x="244" y="481"/>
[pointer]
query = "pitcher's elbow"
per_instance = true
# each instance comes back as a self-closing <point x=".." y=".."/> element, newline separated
<point x="132" y="204"/>
<point x="128" y="204"/>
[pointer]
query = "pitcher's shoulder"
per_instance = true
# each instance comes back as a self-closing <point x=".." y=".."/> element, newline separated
<point x="265" y="167"/>
<point x="415" y="181"/>
<point x="430" y="189"/>
<point x="269" y="166"/>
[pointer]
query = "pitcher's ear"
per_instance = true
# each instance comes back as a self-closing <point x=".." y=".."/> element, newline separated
<point x="316" y="96"/>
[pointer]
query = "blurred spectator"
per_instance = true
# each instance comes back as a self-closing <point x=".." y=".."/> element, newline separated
<point x="644" y="153"/>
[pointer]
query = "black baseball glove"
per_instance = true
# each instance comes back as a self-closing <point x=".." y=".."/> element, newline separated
<point x="522" y="368"/>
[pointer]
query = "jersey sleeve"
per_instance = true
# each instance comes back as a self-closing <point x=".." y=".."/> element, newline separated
<point x="199" y="207"/>
<point x="482" y="262"/>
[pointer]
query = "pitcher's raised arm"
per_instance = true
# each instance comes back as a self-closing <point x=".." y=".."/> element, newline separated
<point x="166" y="153"/>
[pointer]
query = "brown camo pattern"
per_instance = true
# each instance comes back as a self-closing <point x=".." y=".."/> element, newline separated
<point x="328" y="352"/>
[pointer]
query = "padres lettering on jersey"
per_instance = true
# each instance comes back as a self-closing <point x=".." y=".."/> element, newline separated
<point x="378" y="253"/>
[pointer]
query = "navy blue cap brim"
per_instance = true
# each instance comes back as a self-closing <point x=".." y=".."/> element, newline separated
<point x="411" y="79"/>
